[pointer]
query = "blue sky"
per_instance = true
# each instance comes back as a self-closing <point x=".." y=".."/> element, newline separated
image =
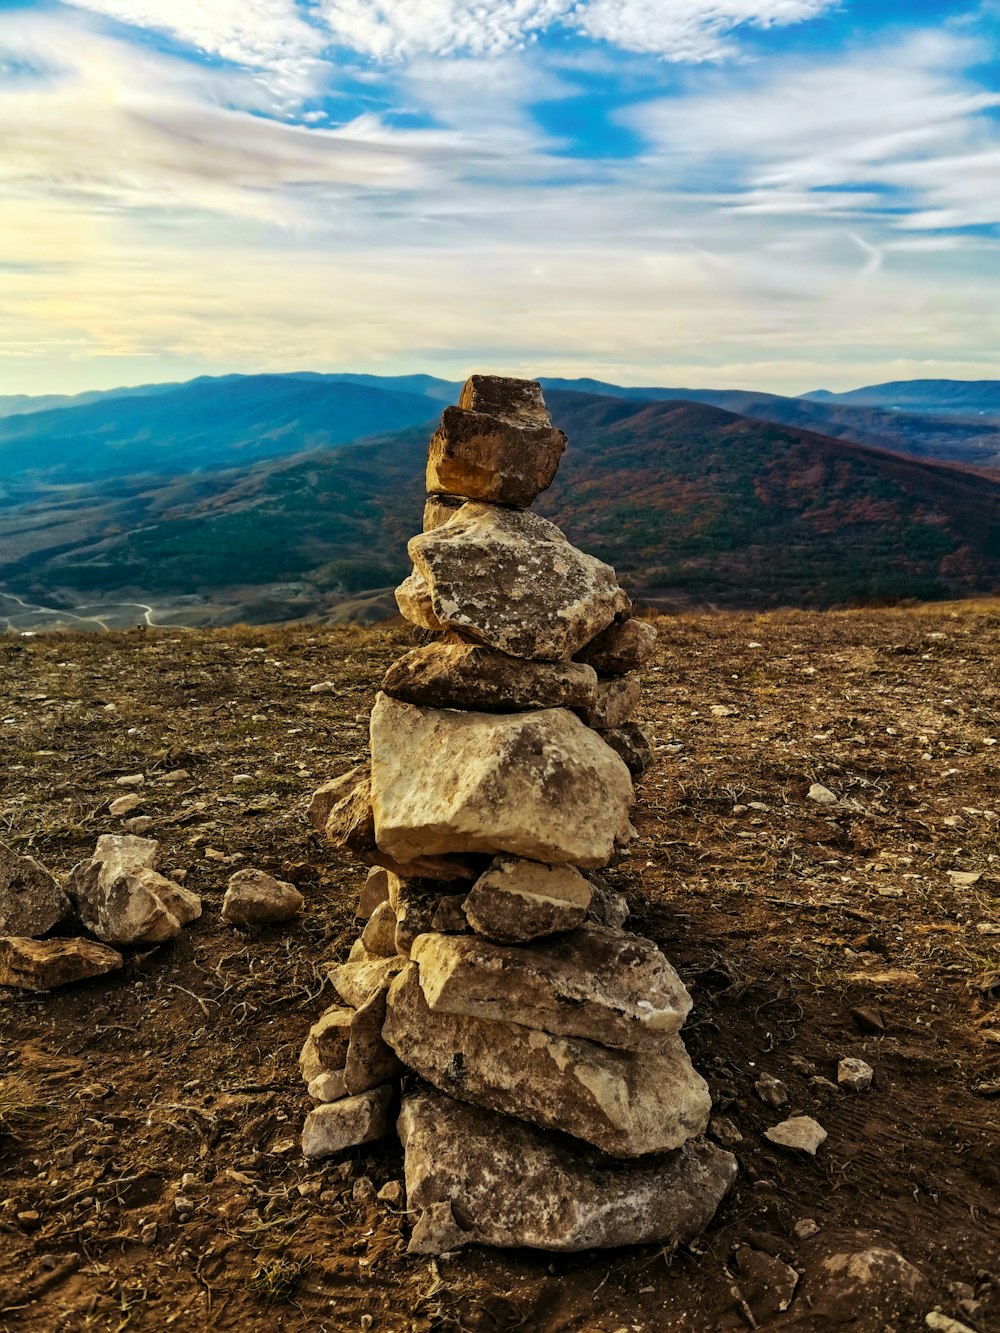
<point x="780" y="194"/>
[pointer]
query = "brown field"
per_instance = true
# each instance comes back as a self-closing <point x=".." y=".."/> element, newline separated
<point x="782" y="916"/>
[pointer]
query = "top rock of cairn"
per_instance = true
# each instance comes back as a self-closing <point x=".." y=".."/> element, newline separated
<point x="498" y="445"/>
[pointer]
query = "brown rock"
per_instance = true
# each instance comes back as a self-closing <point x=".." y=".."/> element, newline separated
<point x="607" y="907"/>
<point x="374" y="892"/>
<point x="333" y="1126"/>
<point x="616" y="702"/>
<point x="469" y="676"/>
<point x="596" y="983"/>
<point x="379" y="935"/>
<point x="439" y="509"/>
<point x="518" y="900"/>
<point x="478" y="1163"/>
<point x="45" y="964"/>
<point x="487" y="458"/>
<point x="766" y="1283"/>
<point x="455" y="869"/>
<point x="31" y="899"/>
<point x="331" y="1035"/>
<point x="350" y="823"/>
<point x="539" y="785"/>
<point x="310" y="1064"/>
<point x="622" y="647"/>
<point x="422" y="907"/>
<point x="254" y="898"/>
<point x="510" y="579"/>
<point x="325" y="798"/>
<point x="517" y="402"/>
<point x="413" y="597"/>
<point x="624" y="1103"/>
<point x="357" y="980"/>
<point x="632" y="743"/>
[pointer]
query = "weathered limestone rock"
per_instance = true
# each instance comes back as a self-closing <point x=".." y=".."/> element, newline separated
<point x="607" y="908"/>
<point x="485" y="457"/>
<point x="622" y="647"/>
<point x="325" y="798"/>
<point x="31" y="899"/>
<point x="333" y="1126"/>
<point x="125" y="805"/>
<point x="331" y="1035"/>
<point x="413" y="597"/>
<point x="357" y="980"/>
<point x="255" y="898"/>
<point x="470" y="676"/>
<point x="379" y="935"/>
<point x="800" y="1133"/>
<point x="540" y="785"/>
<point x="122" y="900"/>
<point x="369" y="1060"/>
<point x="518" y="402"/>
<point x="510" y="579"/>
<point x="616" y="702"/>
<point x="624" y="1103"/>
<point x="310" y="1064"/>
<point x="596" y="983"/>
<point x="374" y="892"/>
<point x="632" y="743"/>
<point x="439" y="509"/>
<point x="421" y="907"/>
<point x="328" y="1086"/>
<point x="45" y="964"/>
<point x="518" y="900"/>
<point x="479" y="1163"/>
<point x="350" y="823"/>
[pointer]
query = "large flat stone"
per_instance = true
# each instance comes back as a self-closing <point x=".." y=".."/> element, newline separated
<point x="517" y="900"/>
<point x="31" y="899"/>
<point x="485" y="457"/>
<point x="540" y="785"/>
<point x="622" y="647"/>
<point x="45" y="964"/>
<point x="481" y="1178"/>
<point x="470" y="676"/>
<point x="601" y="984"/>
<point x="624" y="1103"/>
<point x="510" y="579"/>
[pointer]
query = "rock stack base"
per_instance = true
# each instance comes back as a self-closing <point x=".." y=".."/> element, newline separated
<point x="527" y="1045"/>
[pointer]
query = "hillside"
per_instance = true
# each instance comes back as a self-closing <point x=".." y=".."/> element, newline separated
<point x="947" y="397"/>
<point x="806" y="933"/>
<point x="693" y="505"/>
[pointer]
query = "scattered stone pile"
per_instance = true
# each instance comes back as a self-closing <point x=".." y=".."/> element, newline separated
<point x="554" y="1105"/>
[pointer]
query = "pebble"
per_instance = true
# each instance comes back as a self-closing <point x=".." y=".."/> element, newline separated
<point x="363" y="1191"/>
<point x="821" y="795"/>
<point x="131" y="780"/>
<point x="724" y="1131"/>
<point x="805" y="1228"/>
<point x="124" y="805"/>
<point x="391" y="1192"/>
<point x="855" y="1074"/>
<point x="800" y="1133"/>
<point x="942" y="1323"/>
<point x="323" y="687"/>
<point x="771" y="1091"/>
<point x="29" y="1219"/>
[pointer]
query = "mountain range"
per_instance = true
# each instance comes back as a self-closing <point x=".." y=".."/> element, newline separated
<point x="280" y="496"/>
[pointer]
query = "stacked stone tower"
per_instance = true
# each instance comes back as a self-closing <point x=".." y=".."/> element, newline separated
<point x="526" y="1043"/>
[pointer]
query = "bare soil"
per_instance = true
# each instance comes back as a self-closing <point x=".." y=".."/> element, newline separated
<point x="806" y="933"/>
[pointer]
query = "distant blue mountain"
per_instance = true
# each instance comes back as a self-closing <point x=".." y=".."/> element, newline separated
<point x="945" y="397"/>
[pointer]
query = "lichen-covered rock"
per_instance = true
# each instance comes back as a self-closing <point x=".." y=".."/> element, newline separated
<point x="540" y="785"/>
<point x="122" y="899"/>
<point x="616" y="702"/>
<point x="510" y="579"/>
<point x="624" y="1103"/>
<point x="622" y="647"/>
<point x="469" y="1163"/>
<point x="471" y="676"/>
<point x="45" y="964"/>
<point x="31" y="899"/>
<point x="333" y="1126"/>
<point x="254" y="898"/>
<point x="517" y="900"/>
<point x="485" y="457"/>
<point x="596" y="983"/>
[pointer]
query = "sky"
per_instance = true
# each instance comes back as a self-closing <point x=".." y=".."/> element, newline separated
<point x="772" y="194"/>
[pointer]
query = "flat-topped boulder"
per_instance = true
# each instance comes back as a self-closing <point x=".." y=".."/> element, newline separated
<point x="513" y="401"/>
<point x="41" y="965"/>
<point x="485" y="457"/>
<point x="473" y="677"/>
<point x="595" y="982"/>
<point x="540" y="785"/>
<point x="624" y="1103"/>
<point x="31" y="899"/>
<point x="510" y="579"/>
<point x="518" y="900"/>
<point x="466" y="1170"/>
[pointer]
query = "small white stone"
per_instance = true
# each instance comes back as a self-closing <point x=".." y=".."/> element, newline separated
<point x="323" y="687"/>
<point x="800" y="1133"/>
<point x="822" y="795"/>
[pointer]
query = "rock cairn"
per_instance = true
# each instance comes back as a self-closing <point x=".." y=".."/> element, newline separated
<point x="528" y="1044"/>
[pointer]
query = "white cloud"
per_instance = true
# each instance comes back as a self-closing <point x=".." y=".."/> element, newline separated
<point x="685" y="29"/>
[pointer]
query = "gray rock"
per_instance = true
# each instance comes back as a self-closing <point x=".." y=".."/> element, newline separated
<point x="633" y="743"/>
<point x="822" y="795"/>
<point x="473" y="677"/>
<point x="255" y="898"/>
<point x="855" y="1074"/>
<point x="41" y="965"/>
<point x="422" y="907"/>
<point x="333" y="1126"/>
<point x="31" y="899"/>
<point x="510" y="579"/>
<point x="607" y="906"/>
<point x="616" y="702"/>
<point x="771" y="1091"/>
<point x="517" y="901"/>
<point x="369" y="1060"/>
<point x="539" y="785"/>
<point x="800" y="1133"/>
<point x="477" y="1164"/>
<point x="622" y="647"/>
<point x="623" y="1103"/>
<point x="484" y="457"/>
<point x="124" y="805"/>
<point x="600" y="984"/>
<point x="328" y="1086"/>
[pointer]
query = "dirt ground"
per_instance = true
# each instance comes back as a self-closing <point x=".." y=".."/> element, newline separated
<point x="806" y="933"/>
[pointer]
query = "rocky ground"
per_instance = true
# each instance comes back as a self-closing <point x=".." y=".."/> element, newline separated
<point x="149" y="1121"/>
